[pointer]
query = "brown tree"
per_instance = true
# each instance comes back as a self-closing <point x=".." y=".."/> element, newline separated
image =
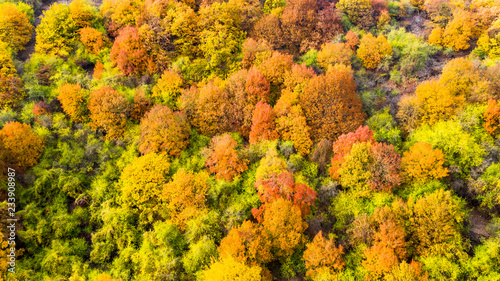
<point x="330" y="104"/>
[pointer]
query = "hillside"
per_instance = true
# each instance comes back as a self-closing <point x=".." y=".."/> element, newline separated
<point x="243" y="140"/>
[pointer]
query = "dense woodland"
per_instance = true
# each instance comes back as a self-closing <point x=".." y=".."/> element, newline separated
<point x="243" y="140"/>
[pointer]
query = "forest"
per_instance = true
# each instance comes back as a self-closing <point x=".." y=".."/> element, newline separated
<point x="249" y="140"/>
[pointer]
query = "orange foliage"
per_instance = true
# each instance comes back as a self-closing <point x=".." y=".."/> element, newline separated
<point x="257" y="86"/>
<point x="223" y="159"/>
<point x="322" y="255"/>
<point x="108" y="111"/>
<point x="423" y="163"/>
<point x="330" y="104"/>
<point x="247" y="243"/>
<point x="128" y="52"/>
<point x="263" y="126"/>
<point x="98" y="70"/>
<point x="352" y="40"/>
<point x="458" y="33"/>
<point x="343" y="146"/>
<point x="73" y="101"/>
<point x="492" y="118"/>
<point x="334" y="53"/>
<point x="372" y="50"/>
<point x="140" y="106"/>
<point x="20" y="147"/>
<point x="283" y="186"/>
<point x="274" y="69"/>
<point x="283" y="223"/>
<point x="185" y="196"/>
<point x="93" y="40"/>
<point x="163" y="130"/>
<point x="15" y="28"/>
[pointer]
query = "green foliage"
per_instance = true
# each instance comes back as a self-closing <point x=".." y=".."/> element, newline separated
<point x="385" y="128"/>
<point x="460" y="148"/>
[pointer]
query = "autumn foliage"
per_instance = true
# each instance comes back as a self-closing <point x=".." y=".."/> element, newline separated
<point x="92" y="39"/>
<point x="492" y="118"/>
<point x="73" y="101"/>
<point x="163" y="130"/>
<point x="263" y="125"/>
<point x="334" y="53"/>
<point x="322" y="256"/>
<point x="108" y="111"/>
<point x="330" y="104"/>
<point x="372" y="50"/>
<point x="15" y="28"/>
<point x="423" y="163"/>
<point x="128" y="52"/>
<point x="168" y="89"/>
<point x="223" y="159"/>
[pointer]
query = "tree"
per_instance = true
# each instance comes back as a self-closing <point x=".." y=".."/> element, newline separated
<point x="334" y="53"/>
<point x="291" y="123"/>
<point x="163" y="130"/>
<point x="221" y="36"/>
<point x="436" y="222"/>
<point x="457" y="33"/>
<point x="92" y="39"/>
<point x="20" y="147"/>
<point x="57" y="32"/>
<point x="81" y="13"/>
<point x="489" y="42"/>
<point x="409" y="113"/>
<point x="372" y="50"/>
<point x="11" y="91"/>
<point x="247" y="243"/>
<point x="351" y="40"/>
<point x="354" y="172"/>
<point x="263" y="125"/>
<point x="230" y="269"/>
<point x="298" y="22"/>
<point x="184" y="25"/>
<point x="385" y="168"/>
<point x="270" y="166"/>
<point x="15" y="27"/>
<point x="492" y="118"/>
<point x="168" y="89"/>
<point x="410" y="272"/>
<point x="359" y="12"/>
<point x="330" y="104"/>
<point x="343" y="145"/>
<point x="108" y="111"/>
<point x="142" y="182"/>
<point x="274" y="69"/>
<point x="436" y="102"/>
<point x="223" y="158"/>
<point x="185" y="196"/>
<point x="459" y="147"/>
<point x="284" y="186"/>
<point x="140" y="106"/>
<point x="73" y="101"/>
<point x="256" y="86"/>
<point x="423" y="163"/>
<point x="322" y="255"/>
<point x="120" y="13"/>
<point x="283" y="223"/>
<point x="128" y="52"/>
<point x="440" y="11"/>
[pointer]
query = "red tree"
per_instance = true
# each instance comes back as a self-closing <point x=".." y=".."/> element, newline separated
<point x="263" y="126"/>
<point x="128" y="51"/>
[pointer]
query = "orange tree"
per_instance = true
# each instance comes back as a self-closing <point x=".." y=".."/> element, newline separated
<point x="163" y="130"/>
<point x="372" y="50"/>
<point x="330" y="104"/>
<point x="263" y="123"/>
<point x="108" y="111"/>
<point x="92" y="39"/>
<point x="73" y="101"/>
<point x="223" y="158"/>
<point x="322" y="256"/>
<point x="492" y="118"/>
<point x="128" y="52"/>
<point x="436" y="102"/>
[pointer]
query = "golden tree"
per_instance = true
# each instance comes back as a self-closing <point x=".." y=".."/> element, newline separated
<point x="372" y="50"/>
<point x="322" y="256"/>
<point x="73" y="101"/>
<point x="108" y="111"/>
<point x="15" y="28"/>
<point x="423" y="163"/>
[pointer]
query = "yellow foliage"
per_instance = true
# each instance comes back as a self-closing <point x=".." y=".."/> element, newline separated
<point x="15" y="28"/>
<point x="229" y="269"/>
<point x="81" y="13"/>
<point x="460" y="31"/>
<point x="354" y="173"/>
<point x="423" y="163"/>
<point x="322" y="256"/>
<point x="56" y="34"/>
<point x="436" y="102"/>
<point x="356" y="10"/>
<point x="270" y="164"/>
<point x="168" y="88"/>
<point x="142" y="183"/>
<point x="372" y="50"/>
<point x="334" y="53"/>
<point x="489" y="42"/>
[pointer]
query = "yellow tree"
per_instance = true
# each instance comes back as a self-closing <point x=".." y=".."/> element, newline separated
<point x="15" y="28"/>
<point x="168" y="88"/>
<point x="230" y="269"/>
<point x="436" y="102"/>
<point x="334" y="53"/>
<point x="423" y="163"/>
